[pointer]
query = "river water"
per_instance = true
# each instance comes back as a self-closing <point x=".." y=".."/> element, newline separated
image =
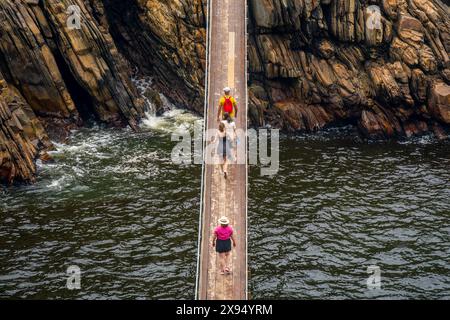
<point x="115" y="205"/>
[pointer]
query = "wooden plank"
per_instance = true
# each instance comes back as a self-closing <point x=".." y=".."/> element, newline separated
<point x="226" y="67"/>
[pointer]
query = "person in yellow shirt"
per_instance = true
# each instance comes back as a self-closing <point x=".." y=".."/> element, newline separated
<point x="227" y="104"/>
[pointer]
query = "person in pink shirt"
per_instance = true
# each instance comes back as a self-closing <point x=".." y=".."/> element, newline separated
<point x="222" y="237"/>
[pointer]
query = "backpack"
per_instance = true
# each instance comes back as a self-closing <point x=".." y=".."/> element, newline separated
<point x="228" y="105"/>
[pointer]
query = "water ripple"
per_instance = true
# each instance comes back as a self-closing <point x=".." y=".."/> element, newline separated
<point x="114" y="205"/>
<point x="338" y="206"/>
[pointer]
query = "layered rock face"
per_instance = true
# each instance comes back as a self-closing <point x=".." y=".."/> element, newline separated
<point x="164" y="39"/>
<point x="59" y="75"/>
<point x="381" y="64"/>
<point x="22" y="136"/>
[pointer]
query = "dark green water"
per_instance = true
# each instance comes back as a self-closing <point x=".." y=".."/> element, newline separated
<point x="115" y="205"/>
<point x="338" y="206"/>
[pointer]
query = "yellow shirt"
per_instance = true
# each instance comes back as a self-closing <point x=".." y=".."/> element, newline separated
<point x="233" y="101"/>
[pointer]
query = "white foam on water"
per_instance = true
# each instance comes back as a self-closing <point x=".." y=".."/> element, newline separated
<point x="142" y="158"/>
<point x="173" y="121"/>
<point x="422" y="140"/>
<point x="59" y="183"/>
<point x="154" y="122"/>
<point x="87" y="148"/>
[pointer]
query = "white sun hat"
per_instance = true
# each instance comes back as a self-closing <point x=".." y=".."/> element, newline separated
<point x="227" y="89"/>
<point x="224" y="220"/>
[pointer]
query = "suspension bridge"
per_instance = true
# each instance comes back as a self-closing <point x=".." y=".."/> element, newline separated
<point x="226" y="66"/>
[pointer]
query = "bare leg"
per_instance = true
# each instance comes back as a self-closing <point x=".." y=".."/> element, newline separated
<point x="222" y="165"/>
<point x="227" y="261"/>
<point x="225" y="166"/>
<point x="222" y="262"/>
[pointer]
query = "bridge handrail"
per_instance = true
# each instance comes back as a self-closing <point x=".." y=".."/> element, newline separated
<point x="200" y="224"/>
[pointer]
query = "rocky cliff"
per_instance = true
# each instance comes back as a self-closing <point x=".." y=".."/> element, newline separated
<point x="22" y="136"/>
<point x="382" y="65"/>
<point x="55" y="76"/>
<point x="165" y="39"/>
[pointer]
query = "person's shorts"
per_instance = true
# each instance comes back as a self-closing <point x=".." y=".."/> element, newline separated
<point x="232" y="114"/>
<point x="224" y="149"/>
<point x="223" y="246"/>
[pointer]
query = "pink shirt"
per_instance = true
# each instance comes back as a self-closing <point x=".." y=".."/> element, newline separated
<point x="223" y="233"/>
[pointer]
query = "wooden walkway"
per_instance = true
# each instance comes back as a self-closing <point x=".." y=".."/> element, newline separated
<point x="227" y="66"/>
